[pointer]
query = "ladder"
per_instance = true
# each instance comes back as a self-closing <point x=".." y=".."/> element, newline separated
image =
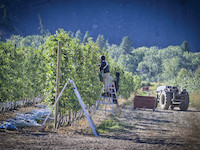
<point x="110" y="99"/>
<point x="92" y="125"/>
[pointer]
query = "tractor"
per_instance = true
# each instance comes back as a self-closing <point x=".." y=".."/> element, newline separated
<point x="172" y="96"/>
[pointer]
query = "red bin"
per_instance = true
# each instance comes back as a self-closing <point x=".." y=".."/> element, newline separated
<point x="145" y="88"/>
<point x="149" y="102"/>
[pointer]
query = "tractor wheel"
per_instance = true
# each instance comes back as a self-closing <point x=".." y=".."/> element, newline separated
<point x="165" y="101"/>
<point x="184" y="105"/>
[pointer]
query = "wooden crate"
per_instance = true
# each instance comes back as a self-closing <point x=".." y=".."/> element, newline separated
<point x="145" y="88"/>
<point x="149" y="102"/>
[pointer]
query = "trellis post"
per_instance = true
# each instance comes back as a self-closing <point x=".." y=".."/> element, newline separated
<point x="58" y="81"/>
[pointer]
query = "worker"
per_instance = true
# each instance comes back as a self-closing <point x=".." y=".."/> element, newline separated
<point x="106" y="74"/>
<point x="116" y="81"/>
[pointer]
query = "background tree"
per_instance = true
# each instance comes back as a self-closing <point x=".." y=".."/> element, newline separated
<point x="126" y="62"/>
<point x="101" y="41"/>
<point x="71" y="34"/>
<point x="126" y="45"/>
<point x="150" y="66"/>
<point x="171" y="68"/>
<point x="153" y="64"/>
<point x="107" y="45"/>
<point x="43" y="31"/>
<point x="185" y="46"/>
<point x="184" y="78"/>
<point x="196" y="80"/>
<point x="114" y="51"/>
<point x="86" y="36"/>
<point x="171" y="51"/>
<point x="138" y="56"/>
<point x="190" y="61"/>
<point x="78" y="35"/>
<point x="15" y="40"/>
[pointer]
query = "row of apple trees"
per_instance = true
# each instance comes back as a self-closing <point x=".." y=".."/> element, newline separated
<point x="27" y="72"/>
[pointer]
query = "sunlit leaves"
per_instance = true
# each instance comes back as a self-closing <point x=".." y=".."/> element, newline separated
<point x="21" y="72"/>
<point x="27" y="71"/>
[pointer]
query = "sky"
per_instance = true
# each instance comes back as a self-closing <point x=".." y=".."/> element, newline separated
<point x="147" y="22"/>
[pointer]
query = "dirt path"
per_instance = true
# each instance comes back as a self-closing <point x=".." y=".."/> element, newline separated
<point x="130" y="129"/>
<point x="165" y="129"/>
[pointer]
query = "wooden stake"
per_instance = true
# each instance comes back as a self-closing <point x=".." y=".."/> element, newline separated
<point x="58" y="81"/>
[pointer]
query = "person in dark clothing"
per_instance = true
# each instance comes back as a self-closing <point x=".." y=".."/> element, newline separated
<point x="106" y="73"/>
<point x="116" y="81"/>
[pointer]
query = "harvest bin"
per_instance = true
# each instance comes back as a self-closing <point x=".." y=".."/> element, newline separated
<point x="149" y="102"/>
<point x="145" y="88"/>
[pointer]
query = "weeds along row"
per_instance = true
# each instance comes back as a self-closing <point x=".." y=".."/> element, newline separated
<point x="29" y="72"/>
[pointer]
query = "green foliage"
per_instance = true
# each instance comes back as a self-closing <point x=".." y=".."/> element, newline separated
<point x="190" y="61"/>
<point x="126" y="45"/>
<point x="78" y="63"/>
<point x="15" y="40"/>
<point x="194" y="99"/>
<point x="113" y="125"/>
<point x="101" y="41"/>
<point x="78" y="35"/>
<point x="126" y="60"/>
<point x="114" y="51"/>
<point x="29" y="70"/>
<point x="149" y="67"/>
<point x="128" y="82"/>
<point x="154" y="64"/>
<point x="21" y="73"/>
<point x="196" y="80"/>
<point x="185" y="46"/>
<point x="86" y="36"/>
<point x="188" y="80"/>
<point x="171" y="68"/>
<point x="143" y="93"/>
<point x="33" y="41"/>
<point x="191" y="82"/>
<point x="183" y="78"/>
<point x="173" y="65"/>
<point x="137" y="82"/>
<point x="71" y="34"/>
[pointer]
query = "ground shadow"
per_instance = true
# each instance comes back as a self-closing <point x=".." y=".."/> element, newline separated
<point x="154" y="140"/>
<point x="188" y="110"/>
